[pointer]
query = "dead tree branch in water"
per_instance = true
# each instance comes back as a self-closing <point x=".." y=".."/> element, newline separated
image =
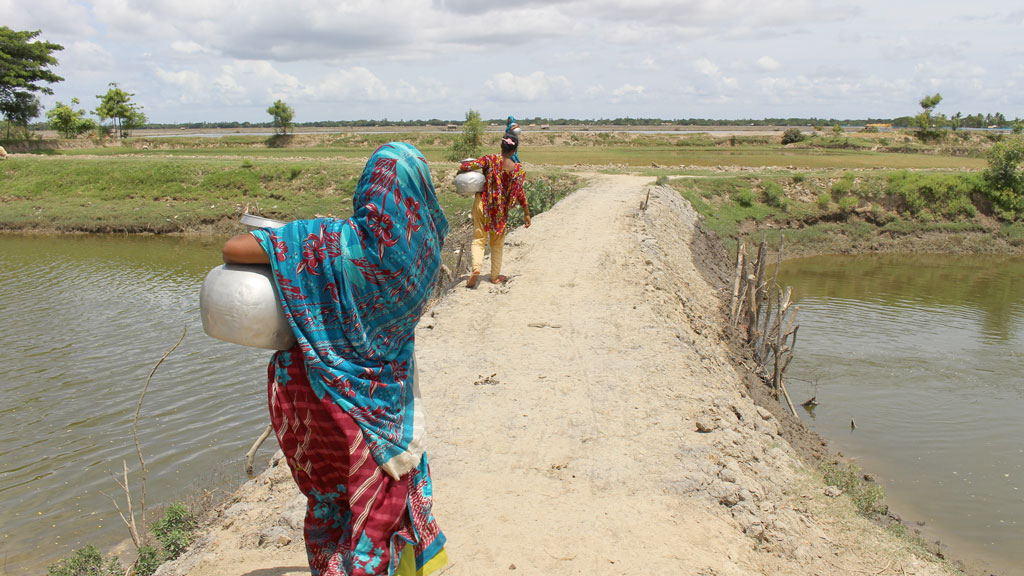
<point x="250" y="456"/>
<point x="764" y="314"/>
<point x="128" y="516"/>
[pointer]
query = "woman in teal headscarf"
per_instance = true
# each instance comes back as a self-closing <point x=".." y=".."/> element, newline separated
<point x="510" y="127"/>
<point x="344" y="401"/>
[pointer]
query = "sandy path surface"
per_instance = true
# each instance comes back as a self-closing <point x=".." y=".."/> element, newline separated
<point x="564" y="410"/>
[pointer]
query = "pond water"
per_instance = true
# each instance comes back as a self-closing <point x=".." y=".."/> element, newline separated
<point x="85" y="319"/>
<point x="924" y="355"/>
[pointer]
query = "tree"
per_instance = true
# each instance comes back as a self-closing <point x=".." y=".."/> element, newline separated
<point x="1005" y="177"/>
<point x="117" y="105"/>
<point x="467" y="145"/>
<point x="69" y="122"/>
<point x="792" y="135"/>
<point x="928" y="126"/>
<point x="282" y="115"/>
<point x="23" y="65"/>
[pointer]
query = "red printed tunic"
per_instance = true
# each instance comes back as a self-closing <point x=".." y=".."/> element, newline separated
<point x="501" y="189"/>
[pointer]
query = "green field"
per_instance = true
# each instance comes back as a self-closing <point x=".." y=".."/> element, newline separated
<point x="841" y="193"/>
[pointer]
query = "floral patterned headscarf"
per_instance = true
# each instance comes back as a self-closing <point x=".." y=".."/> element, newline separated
<point x="353" y="291"/>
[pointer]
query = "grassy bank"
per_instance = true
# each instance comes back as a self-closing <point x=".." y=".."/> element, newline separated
<point x="190" y="184"/>
<point x="827" y="193"/>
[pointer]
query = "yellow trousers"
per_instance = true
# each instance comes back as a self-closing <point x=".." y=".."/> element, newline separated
<point x="482" y="238"/>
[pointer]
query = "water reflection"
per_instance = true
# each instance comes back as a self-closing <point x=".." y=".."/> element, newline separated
<point x="85" y="320"/>
<point x="924" y="352"/>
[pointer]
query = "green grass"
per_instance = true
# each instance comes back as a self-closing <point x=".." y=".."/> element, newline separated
<point x="866" y="496"/>
<point x="160" y="193"/>
<point x="803" y="159"/>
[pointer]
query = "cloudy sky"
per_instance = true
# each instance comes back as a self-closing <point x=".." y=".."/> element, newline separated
<point x="228" y="60"/>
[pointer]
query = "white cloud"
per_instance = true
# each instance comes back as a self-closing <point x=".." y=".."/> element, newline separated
<point x="56" y="18"/>
<point x="537" y="86"/>
<point x="626" y="92"/>
<point x="706" y="67"/>
<point x="192" y="87"/>
<point x="86" y="57"/>
<point x="190" y="47"/>
<point x="768" y="64"/>
<point x="356" y="83"/>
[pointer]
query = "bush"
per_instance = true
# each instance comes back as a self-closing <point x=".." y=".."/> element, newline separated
<point x="848" y="203"/>
<point x="842" y="188"/>
<point x="792" y="135"/>
<point x="744" y="197"/>
<point x="1004" y="178"/>
<point x="949" y="195"/>
<point x="150" y="558"/>
<point x="824" y="199"/>
<point x="176" y="530"/>
<point x="798" y="178"/>
<point x="467" y="144"/>
<point x="86" y="561"/>
<point x="774" y="195"/>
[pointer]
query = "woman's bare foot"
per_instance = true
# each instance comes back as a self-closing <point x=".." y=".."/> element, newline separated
<point x="472" y="280"/>
<point x="499" y="280"/>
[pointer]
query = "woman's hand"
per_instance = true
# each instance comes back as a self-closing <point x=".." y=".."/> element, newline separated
<point x="526" y="220"/>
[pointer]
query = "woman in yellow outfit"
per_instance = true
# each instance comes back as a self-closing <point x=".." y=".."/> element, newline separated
<point x="503" y="186"/>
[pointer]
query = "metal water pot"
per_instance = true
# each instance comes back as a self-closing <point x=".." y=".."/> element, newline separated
<point x="239" y="303"/>
<point x="469" y="183"/>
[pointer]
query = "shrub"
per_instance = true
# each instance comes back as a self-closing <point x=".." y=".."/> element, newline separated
<point x="848" y="203"/>
<point x="824" y="199"/>
<point x="842" y="188"/>
<point x="150" y="558"/>
<point x="176" y="530"/>
<point x="744" y="197"/>
<point x="86" y="561"/>
<point x="467" y="144"/>
<point x="1004" y="178"/>
<point x="774" y="195"/>
<point x="870" y="130"/>
<point x="792" y="135"/>
<point x="662" y="180"/>
<point x="798" y="178"/>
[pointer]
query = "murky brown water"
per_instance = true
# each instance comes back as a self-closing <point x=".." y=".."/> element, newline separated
<point x="84" y="320"/>
<point x="925" y="354"/>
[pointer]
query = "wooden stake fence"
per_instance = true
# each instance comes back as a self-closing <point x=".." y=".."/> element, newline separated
<point x="765" y="316"/>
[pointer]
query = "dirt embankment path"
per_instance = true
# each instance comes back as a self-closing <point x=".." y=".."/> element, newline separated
<point x="585" y="418"/>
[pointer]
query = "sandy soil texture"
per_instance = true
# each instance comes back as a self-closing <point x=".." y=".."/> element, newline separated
<point x="585" y="418"/>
